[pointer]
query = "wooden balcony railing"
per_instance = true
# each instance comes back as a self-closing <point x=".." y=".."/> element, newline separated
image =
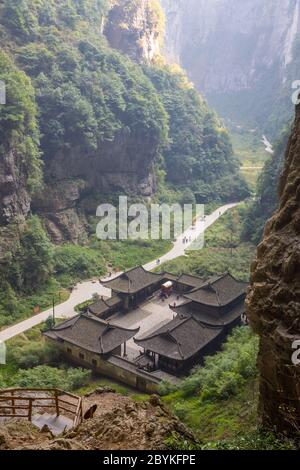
<point x="23" y="403"/>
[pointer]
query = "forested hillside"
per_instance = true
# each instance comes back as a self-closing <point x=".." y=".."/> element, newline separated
<point x="199" y="153"/>
<point x="97" y="106"/>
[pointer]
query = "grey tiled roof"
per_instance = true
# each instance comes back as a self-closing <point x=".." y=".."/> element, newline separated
<point x="214" y="319"/>
<point x="218" y="291"/>
<point x="187" y="279"/>
<point x="192" y="281"/>
<point x="89" y="333"/>
<point x="133" y="281"/>
<point x="179" y="339"/>
<point x="101" y="306"/>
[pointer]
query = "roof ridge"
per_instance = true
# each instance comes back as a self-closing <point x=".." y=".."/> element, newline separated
<point x="91" y="316"/>
<point x="218" y="296"/>
<point x="134" y="269"/>
<point x="168" y="333"/>
<point x="62" y="327"/>
<point x="158" y="333"/>
<point x="101" y="344"/>
<point x="206" y="325"/>
<point x="107" y="323"/>
<point x="184" y="320"/>
<point x="106" y="329"/>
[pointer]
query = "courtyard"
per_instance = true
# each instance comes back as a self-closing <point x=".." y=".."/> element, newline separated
<point x="149" y="316"/>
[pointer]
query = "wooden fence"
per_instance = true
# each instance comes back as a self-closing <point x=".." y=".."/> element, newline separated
<point x="22" y="403"/>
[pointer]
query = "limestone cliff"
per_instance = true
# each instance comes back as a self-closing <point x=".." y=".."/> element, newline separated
<point x="14" y="194"/>
<point x="101" y="122"/>
<point x="274" y="299"/>
<point x="123" y="166"/>
<point x="136" y="28"/>
<point x="237" y="53"/>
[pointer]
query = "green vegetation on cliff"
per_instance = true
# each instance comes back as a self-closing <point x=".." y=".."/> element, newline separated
<point x="266" y="200"/>
<point x="217" y="400"/>
<point x="89" y="94"/>
<point x="19" y="131"/>
<point x="86" y="92"/>
<point x="87" y="111"/>
<point x="199" y="153"/>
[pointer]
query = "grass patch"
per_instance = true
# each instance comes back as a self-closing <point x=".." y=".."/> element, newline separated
<point x="250" y="151"/>
<point x="126" y="254"/>
<point x="217" y="401"/>
<point x="24" y="306"/>
<point x="218" y="420"/>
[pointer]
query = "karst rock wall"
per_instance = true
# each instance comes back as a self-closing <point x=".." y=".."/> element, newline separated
<point x="273" y="302"/>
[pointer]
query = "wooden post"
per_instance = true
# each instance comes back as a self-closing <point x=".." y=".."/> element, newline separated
<point x="56" y="403"/>
<point x="53" y="313"/>
<point x="125" y="349"/>
<point x="30" y="410"/>
<point x="13" y="403"/>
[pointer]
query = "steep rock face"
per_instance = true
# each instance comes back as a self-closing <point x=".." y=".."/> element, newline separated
<point x="123" y="164"/>
<point x="58" y="205"/>
<point x="274" y="300"/>
<point x="235" y="52"/>
<point x="135" y="28"/>
<point x="99" y="118"/>
<point x="14" y="196"/>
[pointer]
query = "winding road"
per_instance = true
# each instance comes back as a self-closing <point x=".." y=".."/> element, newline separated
<point x="85" y="290"/>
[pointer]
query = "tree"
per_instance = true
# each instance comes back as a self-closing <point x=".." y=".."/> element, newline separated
<point x="233" y="224"/>
<point x="32" y="263"/>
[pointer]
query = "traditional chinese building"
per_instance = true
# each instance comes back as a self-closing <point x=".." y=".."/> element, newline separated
<point x="180" y="344"/>
<point x="105" y="308"/>
<point x="89" y="339"/>
<point x="204" y="313"/>
<point x="202" y="323"/>
<point x="218" y="302"/>
<point x="134" y="286"/>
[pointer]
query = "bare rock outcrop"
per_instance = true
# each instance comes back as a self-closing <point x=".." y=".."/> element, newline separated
<point x="120" y="423"/>
<point x="274" y="300"/>
<point x="14" y="196"/>
<point x="58" y="205"/>
<point x="136" y="28"/>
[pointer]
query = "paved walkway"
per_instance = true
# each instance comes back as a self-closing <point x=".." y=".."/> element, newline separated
<point x="179" y="248"/>
<point x="85" y="290"/>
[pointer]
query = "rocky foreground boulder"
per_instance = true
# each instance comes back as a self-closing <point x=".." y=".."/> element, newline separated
<point x="120" y="423"/>
<point x="274" y="300"/>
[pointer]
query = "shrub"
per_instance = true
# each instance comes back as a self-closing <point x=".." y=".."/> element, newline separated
<point x="166" y="387"/>
<point x="259" y="440"/>
<point x="225" y="372"/>
<point x="51" y="377"/>
<point x="32" y="354"/>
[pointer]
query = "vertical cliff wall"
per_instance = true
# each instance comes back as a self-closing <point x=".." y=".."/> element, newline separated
<point x="237" y="53"/>
<point x="274" y="300"/>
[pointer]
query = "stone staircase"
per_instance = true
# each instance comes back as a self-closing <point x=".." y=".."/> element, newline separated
<point x="56" y="424"/>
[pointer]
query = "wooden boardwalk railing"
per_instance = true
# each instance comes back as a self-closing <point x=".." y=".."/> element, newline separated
<point x="22" y="403"/>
